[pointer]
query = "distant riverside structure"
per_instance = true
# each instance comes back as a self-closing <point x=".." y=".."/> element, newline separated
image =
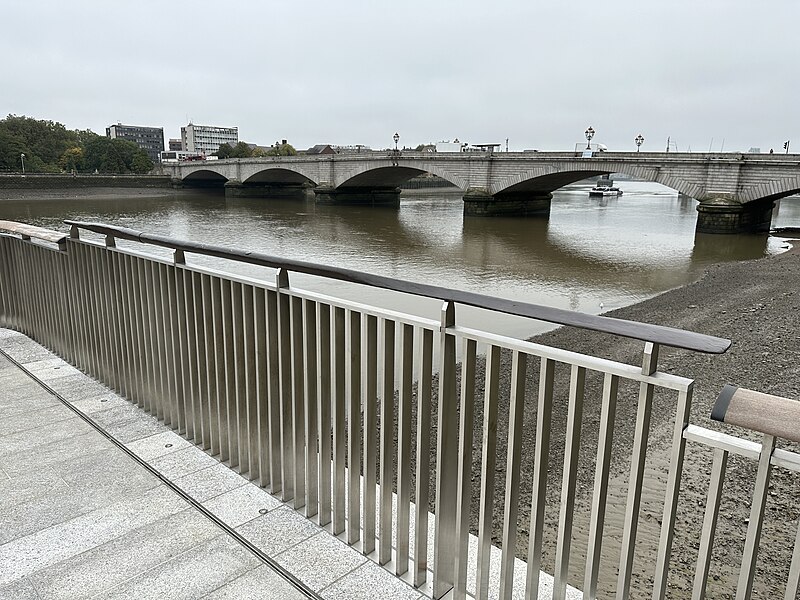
<point x="175" y="145"/>
<point x="149" y="139"/>
<point x="206" y="139"/>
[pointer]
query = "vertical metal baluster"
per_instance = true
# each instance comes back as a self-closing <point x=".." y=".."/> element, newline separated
<point x="386" y="442"/>
<point x="287" y="410"/>
<point x="599" y="496"/>
<point x="464" y="497"/>
<point x="744" y="588"/>
<point x="262" y="385"/>
<point x="489" y="461"/>
<point x="422" y="493"/>
<point x="107" y="287"/>
<point x="252" y="382"/>
<point x="638" y="456"/>
<point x="353" y="393"/>
<point x="208" y="343"/>
<point x="201" y="352"/>
<point x="143" y="338"/>
<point x="519" y="367"/>
<point x="220" y="366"/>
<point x="77" y="301"/>
<point x="572" y="448"/>
<point x="249" y="418"/>
<point x="147" y="334"/>
<point x="274" y="396"/>
<point x="540" y="471"/>
<point x="324" y="411"/>
<point x="132" y="321"/>
<point x="94" y="313"/>
<point x="124" y="334"/>
<point x="228" y="394"/>
<point x="238" y="398"/>
<point x="194" y="431"/>
<point x="446" y="458"/>
<point x="370" y="403"/>
<point x="339" y="440"/>
<point x="310" y="385"/>
<point x="167" y="294"/>
<point x="404" y="447"/>
<point x="671" y="497"/>
<point x="710" y="523"/>
<point x="793" y="581"/>
<point x="157" y="337"/>
<point x="298" y="403"/>
<point x="178" y="344"/>
<point x="5" y="267"/>
<point x="165" y="342"/>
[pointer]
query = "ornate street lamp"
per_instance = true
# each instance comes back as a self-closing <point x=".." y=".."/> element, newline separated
<point x="589" y="135"/>
<point x="396" y="138"/>
<point x="639" y="141"/>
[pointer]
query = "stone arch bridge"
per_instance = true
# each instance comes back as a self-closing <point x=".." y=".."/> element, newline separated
<point x="736" y="192"/>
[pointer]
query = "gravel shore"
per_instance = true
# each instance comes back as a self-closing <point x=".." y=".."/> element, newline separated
<point x="756" y="304"/>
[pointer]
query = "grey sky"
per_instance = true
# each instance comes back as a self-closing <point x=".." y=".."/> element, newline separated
<point x="355" y="72"/>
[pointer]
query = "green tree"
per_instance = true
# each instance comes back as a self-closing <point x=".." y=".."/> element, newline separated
<point x="72" y="159"/>
<point x="115" y="156"/>
<point x="282" y="150"/>
<point x="43" y="142"/>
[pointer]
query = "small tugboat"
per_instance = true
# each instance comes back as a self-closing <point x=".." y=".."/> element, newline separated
<point x="605" y="187"/>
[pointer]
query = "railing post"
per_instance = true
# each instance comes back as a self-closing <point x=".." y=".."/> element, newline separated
<point x="639" y="454"/>
<point x="744" y="589"/>
<point x="671" y="497"/>
<point x="446" y="459"/>
<point x="285" y="362"/>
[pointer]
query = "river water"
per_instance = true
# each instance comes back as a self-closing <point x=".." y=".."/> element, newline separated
<point x="592" y="255"/>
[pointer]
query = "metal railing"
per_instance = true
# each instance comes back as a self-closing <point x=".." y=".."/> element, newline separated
<point x="343" y="409"/>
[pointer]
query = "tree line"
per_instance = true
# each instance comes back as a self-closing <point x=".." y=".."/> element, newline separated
<point x="243" y="150"/>
<point x="49" y="147"/>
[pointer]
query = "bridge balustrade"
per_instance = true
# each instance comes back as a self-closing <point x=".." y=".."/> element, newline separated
<point x="364" y="419"/>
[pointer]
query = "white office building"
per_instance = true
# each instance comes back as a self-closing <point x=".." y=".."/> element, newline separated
<point x="206" y="139"/>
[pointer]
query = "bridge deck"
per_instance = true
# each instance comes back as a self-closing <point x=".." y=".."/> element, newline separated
<point x="137" y="511"/>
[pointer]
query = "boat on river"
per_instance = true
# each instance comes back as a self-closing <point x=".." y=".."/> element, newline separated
<point x="605" y="190"/>
<point x="604" y="187"/>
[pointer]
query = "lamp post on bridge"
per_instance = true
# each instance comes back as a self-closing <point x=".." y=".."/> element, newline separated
<point x="589" y="135"/>
<point x="22" y="158"/>
<point x="396" y="154"/>
<point x="639" y="141"/>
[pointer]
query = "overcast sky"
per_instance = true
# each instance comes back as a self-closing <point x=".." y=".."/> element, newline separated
<point x="355" y="72"/>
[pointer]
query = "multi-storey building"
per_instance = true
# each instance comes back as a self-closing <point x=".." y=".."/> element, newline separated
<point x="149" y="139"/>
<point x="175" y="145"/>
<point x="205" y="139"/>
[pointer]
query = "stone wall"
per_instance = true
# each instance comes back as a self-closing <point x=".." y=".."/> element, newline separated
<point x="49" y="182"/>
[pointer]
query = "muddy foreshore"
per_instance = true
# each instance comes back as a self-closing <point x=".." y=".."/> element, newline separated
<point x="756" y="304"/>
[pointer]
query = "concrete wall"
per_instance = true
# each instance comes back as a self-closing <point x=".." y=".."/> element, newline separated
<point x="48" y="182"/>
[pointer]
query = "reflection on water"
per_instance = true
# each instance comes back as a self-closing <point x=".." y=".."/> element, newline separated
<point x="612" y="250"/>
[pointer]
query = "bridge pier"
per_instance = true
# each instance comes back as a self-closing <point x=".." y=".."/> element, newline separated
<point x="282" y="191"/>
<point x="389" y="196"/>
<point x="723" y="213"/>
<point x="479" y="203"/>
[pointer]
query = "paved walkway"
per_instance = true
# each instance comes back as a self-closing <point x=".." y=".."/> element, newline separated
<point x="81" y="518"/>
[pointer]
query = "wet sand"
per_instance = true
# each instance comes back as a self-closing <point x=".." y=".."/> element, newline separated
<point x="756" y="304"/>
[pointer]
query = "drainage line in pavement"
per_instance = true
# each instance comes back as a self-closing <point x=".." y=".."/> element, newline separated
<point x="269" y="561"/>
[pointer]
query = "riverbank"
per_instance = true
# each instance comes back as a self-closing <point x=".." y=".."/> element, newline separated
<point x="756" y="304"/>
<point x="89" y="193"/>
<point x="77" y="186"/>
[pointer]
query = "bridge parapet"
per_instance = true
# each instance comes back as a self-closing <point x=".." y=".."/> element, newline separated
<point x="736" y="190"/>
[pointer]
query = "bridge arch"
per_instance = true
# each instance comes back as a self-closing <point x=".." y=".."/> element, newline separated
<point x="278" y="175"/>
<point x="547" y="179"/>
<point x="389" y="175"/>
<point x="204" y="178"/>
